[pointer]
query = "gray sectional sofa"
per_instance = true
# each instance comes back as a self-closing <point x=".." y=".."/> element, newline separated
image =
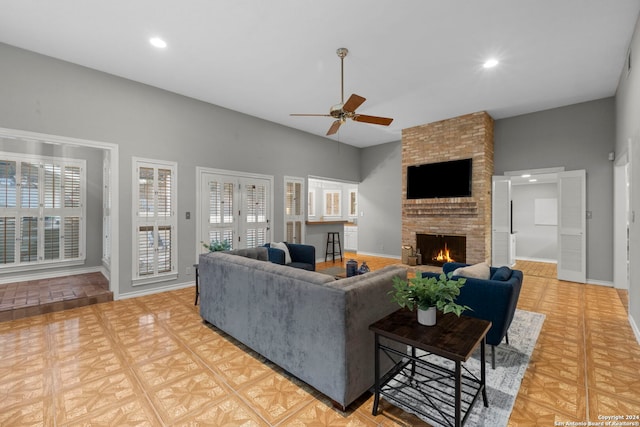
<point x="311" y="325"/>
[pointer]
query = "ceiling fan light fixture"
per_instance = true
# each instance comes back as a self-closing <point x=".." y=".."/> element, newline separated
<point x="347" y="109"/>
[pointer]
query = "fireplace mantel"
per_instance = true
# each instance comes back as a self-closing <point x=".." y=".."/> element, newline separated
<point x="448" y="207"/>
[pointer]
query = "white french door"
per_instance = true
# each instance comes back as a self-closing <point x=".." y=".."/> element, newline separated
<point x="501" y="221"/>
<point x="253" y="224"/>
<point x="572" y="233"/>
<point x="234" y="207"/>
<point x="294" y="214"/>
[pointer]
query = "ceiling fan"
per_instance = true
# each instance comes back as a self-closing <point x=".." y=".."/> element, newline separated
<point x="347" y="110"/>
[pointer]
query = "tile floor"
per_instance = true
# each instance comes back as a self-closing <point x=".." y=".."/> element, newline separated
<point x="35" y="297"/>
<point x="151" y="361"/>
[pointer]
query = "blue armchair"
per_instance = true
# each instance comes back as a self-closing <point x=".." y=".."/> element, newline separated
<point x="494" y="300"/>
<point x="302" y="256"/>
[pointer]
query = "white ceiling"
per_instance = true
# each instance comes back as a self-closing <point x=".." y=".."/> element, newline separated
<point x="417" y="61"/>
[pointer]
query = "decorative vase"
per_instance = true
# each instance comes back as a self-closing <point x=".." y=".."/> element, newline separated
<point x="364" y="268"/>
<point x="427" y="317"/>
<point x="352" y="267"/>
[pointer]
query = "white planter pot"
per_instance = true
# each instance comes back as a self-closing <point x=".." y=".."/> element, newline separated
<point x="427" y="317"/>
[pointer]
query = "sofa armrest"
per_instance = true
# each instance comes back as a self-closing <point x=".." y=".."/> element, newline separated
<point x="302" y="253"/>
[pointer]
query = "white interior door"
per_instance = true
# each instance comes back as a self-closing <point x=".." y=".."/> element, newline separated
<point x="501" y="221"/>
<point x="217" y="208"/>
<point x="572" y="232"/>
<point x="254" y="228"/>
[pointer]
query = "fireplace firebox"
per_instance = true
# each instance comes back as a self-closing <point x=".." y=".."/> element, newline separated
<point x="436" y="249"/>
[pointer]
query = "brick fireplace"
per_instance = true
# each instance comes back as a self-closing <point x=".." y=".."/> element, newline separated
<point x="468" y="136"/>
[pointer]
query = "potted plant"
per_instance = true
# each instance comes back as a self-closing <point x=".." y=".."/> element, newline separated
<point x="217" y="245"/>
<point x="429" y="294"/>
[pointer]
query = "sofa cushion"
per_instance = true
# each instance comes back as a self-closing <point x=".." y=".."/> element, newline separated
<point x="283" y="247"/>
<point x="476" y="271"/>
<point x="502" y="274"/>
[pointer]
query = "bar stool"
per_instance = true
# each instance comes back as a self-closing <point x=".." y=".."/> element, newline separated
<point x="333" y="238"/>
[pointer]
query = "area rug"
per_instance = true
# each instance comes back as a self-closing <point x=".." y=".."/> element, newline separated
<point x="502" y="383"/>
<point x="333" y="271"/>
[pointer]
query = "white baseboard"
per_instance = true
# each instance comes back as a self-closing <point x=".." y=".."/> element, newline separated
<point x="549" y="261"/>
<point x="634" y="327"/>
<point x="48" y="274"/>
<point x="380" y="255"/>
<point x="600" y="283"/>
<point x="145" y="292"/>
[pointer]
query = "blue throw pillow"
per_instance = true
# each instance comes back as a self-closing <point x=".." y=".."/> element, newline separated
<point x="502" y="274"/>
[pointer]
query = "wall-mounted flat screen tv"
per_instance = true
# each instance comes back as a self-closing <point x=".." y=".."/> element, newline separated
<point x="438" y="180"/>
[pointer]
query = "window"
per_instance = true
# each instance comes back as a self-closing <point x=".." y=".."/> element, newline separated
<point x="311" y="204"/>
<point x="332" y="203"/>
<point x="353" y="203"/>
<point x="155" y="221"/>
<point x="41" y="211"/>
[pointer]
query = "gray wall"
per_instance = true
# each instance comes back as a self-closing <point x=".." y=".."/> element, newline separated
<point x="533" y="241"/>
<point x="45" y="95"/>
<point x="628" y="129"/>
<point x="380" y="200"/>
<point x="579" y="136"/>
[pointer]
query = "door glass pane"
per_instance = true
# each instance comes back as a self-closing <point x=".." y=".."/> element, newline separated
<point x="289" y="233"/>
<point x="292" y="202"/>
<point x="51" y="237"/>
<point x="29" y="241"/>
<point x="220" y="203"/>
<point x="7" y="184"/>
<point x="256" y="237"/>
<point x="7" y="240"/>
<point x="164" y="192"/>
<point x="145" y="250"/>
<point x="297" y="207"/>
<point x="256" y="203"/>
<point x="71" y="237"/>
<point x="71" y="187"/>
<point x="221" y="235"/>
<point x="250" y="208"/>
<point x="164" y="249"/>
<point x="145" y="191"/>
<point x="29" y="185"/>
<point x="52" y="186"/>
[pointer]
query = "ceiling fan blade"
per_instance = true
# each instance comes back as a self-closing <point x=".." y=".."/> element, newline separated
<point x="334" y="127"/>
<point x="353" y="102"/>
<point x="311" y="115"/>
<point x="384" y="121"/>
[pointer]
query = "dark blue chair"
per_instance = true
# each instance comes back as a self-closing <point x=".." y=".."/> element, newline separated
<point x="302" y="256"/>
<point x="494" y="300"/>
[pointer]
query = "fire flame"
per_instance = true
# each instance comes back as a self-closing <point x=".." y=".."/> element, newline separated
<point x="444" y="255"/>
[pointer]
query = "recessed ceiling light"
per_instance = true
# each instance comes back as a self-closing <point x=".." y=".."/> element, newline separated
<point x="526" y="175"/>
<point x="158" y="42"/>
<point x="533" y="180"/>
<point x="490" y="63"/>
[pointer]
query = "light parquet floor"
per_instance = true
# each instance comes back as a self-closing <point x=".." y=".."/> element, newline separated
<point x="150" y="361"/>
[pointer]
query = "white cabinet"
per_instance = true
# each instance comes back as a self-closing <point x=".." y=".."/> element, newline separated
<point x="350" y="238"/>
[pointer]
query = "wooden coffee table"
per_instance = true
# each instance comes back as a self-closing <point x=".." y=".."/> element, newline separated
<point x="450" y="392"/>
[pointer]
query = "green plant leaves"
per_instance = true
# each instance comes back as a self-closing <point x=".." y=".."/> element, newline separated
<point x="425" y="292"/>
